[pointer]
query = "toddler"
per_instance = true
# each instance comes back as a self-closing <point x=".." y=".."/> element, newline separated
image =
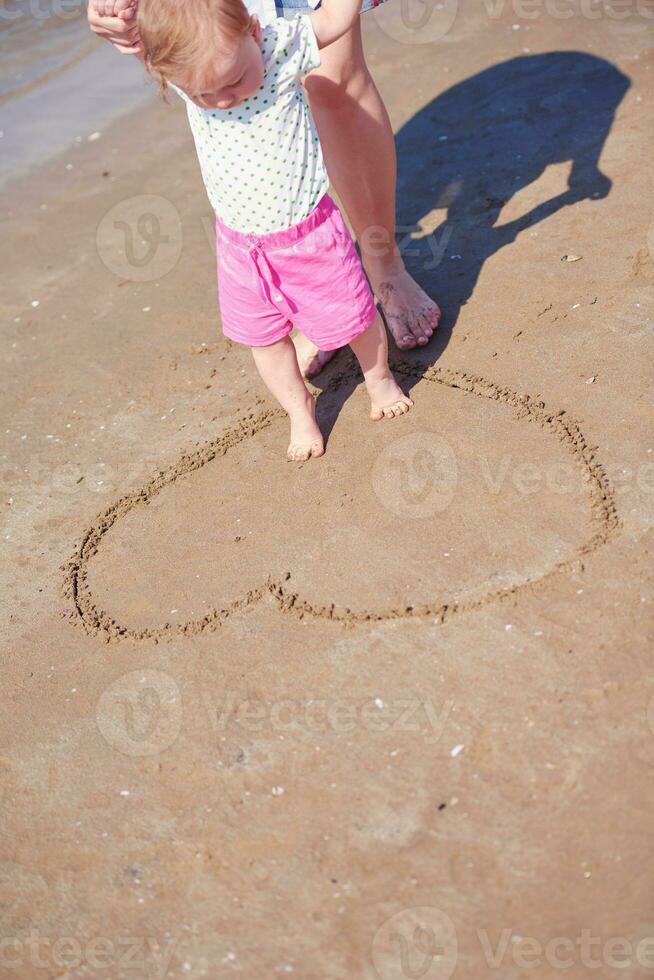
<point x="285" y="256"/>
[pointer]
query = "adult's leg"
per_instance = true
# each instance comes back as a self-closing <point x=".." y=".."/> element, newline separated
<point x="359" y="151"/>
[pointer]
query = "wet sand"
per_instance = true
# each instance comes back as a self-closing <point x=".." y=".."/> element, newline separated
<point x="59" y="86"/>
<point x="267" y="719"/>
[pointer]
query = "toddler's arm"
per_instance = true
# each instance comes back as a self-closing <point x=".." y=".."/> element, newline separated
<point x="333" y="18"/>
<point x="115" y="21"/>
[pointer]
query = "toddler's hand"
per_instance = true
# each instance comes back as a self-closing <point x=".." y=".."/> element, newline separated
<point x="115" y="8"/>
<point x="115" y="21"/>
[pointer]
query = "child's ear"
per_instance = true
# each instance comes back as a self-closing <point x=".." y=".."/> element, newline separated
<point x="255" y="27"/>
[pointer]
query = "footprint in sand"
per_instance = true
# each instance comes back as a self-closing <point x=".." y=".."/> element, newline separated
<point x="479" y="494"/>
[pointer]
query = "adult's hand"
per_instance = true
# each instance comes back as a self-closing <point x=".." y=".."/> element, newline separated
<point x="115" y="21"/>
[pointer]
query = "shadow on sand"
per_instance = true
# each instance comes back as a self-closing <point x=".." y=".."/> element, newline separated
<point x="469" y="151"/>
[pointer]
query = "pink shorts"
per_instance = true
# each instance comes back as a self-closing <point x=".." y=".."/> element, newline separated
<point x="309" y="276"/>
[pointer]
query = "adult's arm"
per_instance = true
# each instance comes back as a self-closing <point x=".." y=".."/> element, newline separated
<point x="333" y="18"/>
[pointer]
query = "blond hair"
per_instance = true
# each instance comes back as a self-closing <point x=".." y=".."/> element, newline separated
<point x="176" y="34"/>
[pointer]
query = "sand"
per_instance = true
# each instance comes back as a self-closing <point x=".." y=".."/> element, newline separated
<point x="385" y="714"/>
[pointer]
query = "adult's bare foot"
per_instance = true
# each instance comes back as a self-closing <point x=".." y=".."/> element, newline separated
<point x="411" y="315"/>
<point x="309" y="357"/>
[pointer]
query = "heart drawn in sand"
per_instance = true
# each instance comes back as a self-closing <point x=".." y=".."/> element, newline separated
<point x="86" y="606"/>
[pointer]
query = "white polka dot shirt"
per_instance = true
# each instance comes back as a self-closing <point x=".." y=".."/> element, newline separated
<point x="261" y="160"/>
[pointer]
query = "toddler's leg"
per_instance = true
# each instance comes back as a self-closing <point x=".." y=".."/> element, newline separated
<point x="386" y="397"/>
<point x="280" y="372"/>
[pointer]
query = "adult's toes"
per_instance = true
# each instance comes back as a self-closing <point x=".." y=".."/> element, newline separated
<point x="434" y="316"/>
<point x="402" y="333"/>
<point x="406" y="341"/>
<point x="421" y="331"/>
<point x="428" y="321"/>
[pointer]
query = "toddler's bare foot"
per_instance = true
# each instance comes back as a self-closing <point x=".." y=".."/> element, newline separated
<point x="411" y="315"/>
<point x="310" y="358"/>
<point x="306" y="437"/>
<point x="387" y="398"/>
